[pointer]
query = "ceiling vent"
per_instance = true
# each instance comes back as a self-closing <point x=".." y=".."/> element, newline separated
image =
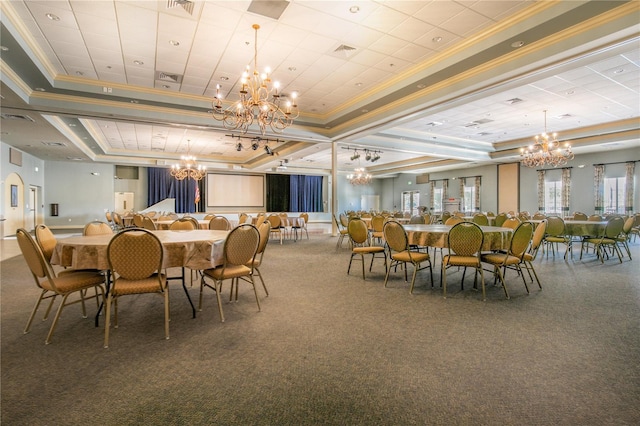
<point x="563" y="116"/>
<point x="185" y="4"/>
<point x="165" y="76"/>
<point x="344" y="51"/>
<point x="53" y="143"/>
<point x="513" y="101"/>
<point x="270" y="8"/>
<point x="433" y="124"/>
<point x="17" y="117"/>
<point x="476" y="123"/>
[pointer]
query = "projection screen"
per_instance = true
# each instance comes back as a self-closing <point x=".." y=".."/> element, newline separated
<point x="235" y="190"/>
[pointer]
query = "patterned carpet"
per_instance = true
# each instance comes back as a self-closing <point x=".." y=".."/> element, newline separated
<point x="333" y="349"/>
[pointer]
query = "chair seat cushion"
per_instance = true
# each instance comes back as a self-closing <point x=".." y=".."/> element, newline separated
<point x="73" y="281"/>
<point x="500" y="259"/>
<point x="599" y="240"/>
<point x="553" y="239"/>
<point x="415" y="256"/>
<point x="371" y="249"/>
<point x="460" y="260"/>
<point x="222" y="273"/>
<point x="145" y="285"/>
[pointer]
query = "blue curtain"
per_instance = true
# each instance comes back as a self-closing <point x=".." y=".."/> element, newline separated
<point x="161" y="185"/>
<point x="305" y="193"/>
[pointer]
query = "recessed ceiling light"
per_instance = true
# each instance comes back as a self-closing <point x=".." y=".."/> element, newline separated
<point x="421" y="86"/>
<point x="358" y="84"/>
<point x="4" y="48"/>
<point x="108" y="67"/>
<point x="581" y="166"/>
<point x="518" y="43"/>
<point x="166" y="86"/>
<point x="292" y="68"/>
<point x="365" y="110"/>
<point x="619" y="71"/>
<point x="225" y="78"/>
<point x="72" y="124"/>
<point x="39" y="89"/>
<point x="174" y="42"/>
<point x="138" y="62"/>
<point x="436" y="39"/>
<point x="354" y="9"/>
<point x="79" y="73"/>
<point x="52" y="17"/>
<point x="133" y="101"/>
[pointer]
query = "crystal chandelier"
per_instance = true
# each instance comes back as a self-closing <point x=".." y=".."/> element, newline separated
<point x="546" y="150"/>
<point x="359" y="177"/>
<point x="188" y="168"/>
<point x="259" y="102"/>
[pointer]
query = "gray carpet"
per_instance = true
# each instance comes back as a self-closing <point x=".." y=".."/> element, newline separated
<point x="329" y="348"/>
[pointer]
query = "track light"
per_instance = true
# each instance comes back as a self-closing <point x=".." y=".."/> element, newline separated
<point x="355" y="155"/>
<point x="239" y="147"/>
<point x="268" y="150"/>
<point x="254" y="145"/>
<point x="368" y="156"/>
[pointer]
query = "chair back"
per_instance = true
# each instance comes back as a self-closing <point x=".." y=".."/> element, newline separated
<point x="539" y="216"/>
<point x="453" y="220"/>
<point x="396" y="236"/>
<point x="628" y="225"/>
<point x="500" y="218"/>
<point x="480" y="219"/>
<point x="117" y="219"/>
<point x="32" y="253"/>
<point x="134" y="254"/>
<point x="417" y="219"/>
<point x="274" y="220"/>
<point x="595" y="218"/>
<point x="97" y="228"/>
<point x="241" y="245"/>
<point x="358" y="231"/>
<point x="465" y="239"/>
<point x="511" y="222"/>
<point x="377" y="223"/>
<point x="137" y="220"/>
<point x="305" y="217"/>
<point x="614" y="227"/>
<point x="219" y="223"/>
<point x="445" y="215"/>
<point x="148" y="223"/>
<point x="344" y="220"/>
<point x="264" y="229"/>
<point x="555" y="226"/>
<point x="183" y="224"/>
<point x="108" y="216"/>
<point x="521" y="239"/>
<point x="46" y="240"/>
<point x="538" y="235"/>
<point x="242" y="218"/>
<point x="580" y="216"/>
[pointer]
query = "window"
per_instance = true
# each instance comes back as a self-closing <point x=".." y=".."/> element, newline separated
<point x="614" y="195"/>
<point x="469" y="197"/>
<point x="437" y="199"/>
<point x="553" y="197"/>
<point x="410" y="202"/>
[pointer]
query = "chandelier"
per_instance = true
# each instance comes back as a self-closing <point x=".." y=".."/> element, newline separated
<point x="359" y="177"/>
<point x="187" y="168"/>
<point x="259" y="102"/>
<point x="546" y="150"/>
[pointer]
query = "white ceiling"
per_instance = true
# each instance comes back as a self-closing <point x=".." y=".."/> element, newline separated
<point x="429" y="84"/>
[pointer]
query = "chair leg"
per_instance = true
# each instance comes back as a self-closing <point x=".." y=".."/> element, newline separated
<point x="33" y="312"/>
<point x="262" y="281"/>
<point x="107" y="320"/>
<point x="166" y="313"/>
<point x="497" y="272"/>
<point x="218" y="291"/>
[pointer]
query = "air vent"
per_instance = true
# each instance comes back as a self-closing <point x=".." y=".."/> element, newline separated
<point x="53" y="143"/>
<point x="17" y="117"/>
<point x="513" y="101"/>
<point x="185" y="4"/>
<point x="270" y="9"/>
<point x="344" y="51"/>
<point x="433" y="124"/>
<point x="476" y="123"/>
<point x="484" y="134"/>
<point x="563" y="116"/>
<point x="165" y="76"/>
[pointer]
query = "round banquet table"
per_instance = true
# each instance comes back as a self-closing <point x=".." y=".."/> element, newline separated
<point x="196" y="249"/>
<point x="495" y="238"/>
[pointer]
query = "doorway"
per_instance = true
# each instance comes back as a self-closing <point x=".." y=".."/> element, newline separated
<point x="31" y="220"/>
<point x="124" y="202"/>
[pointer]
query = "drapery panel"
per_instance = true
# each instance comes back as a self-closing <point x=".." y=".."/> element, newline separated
<point x="565" y="191"/>
<point x="629" y="187"/>
<point x="294" y="193"/>
<point x="476" y="202"/>
<point x="432" y="196"/>
<point x="462" y="184"/>
<point x="445" y="191"/>
<point x="162" y="185"/>
<point x="598" y="188"/>
<point x="541" y="206"/>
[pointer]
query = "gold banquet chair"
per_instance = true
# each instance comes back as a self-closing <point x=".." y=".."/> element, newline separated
<point x="97" y="228"/>
<point x="135" y="261"/>
<point x="398" y="242"/>
<point x="240" y="247"/>
<point x="464" y="242"/>
<point x="513" y="257"/>
<point x="52" y="286"/>
<point x="361" y="245"/>
<point x="342" y="231"/>
<point x="264" y="229"/>
<point x="184" y="224"/>
<point x="275" y="222"/>
<point x="219" y="223"/>
<point x="608" y="238"/>
<point x="148" y="223"/>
